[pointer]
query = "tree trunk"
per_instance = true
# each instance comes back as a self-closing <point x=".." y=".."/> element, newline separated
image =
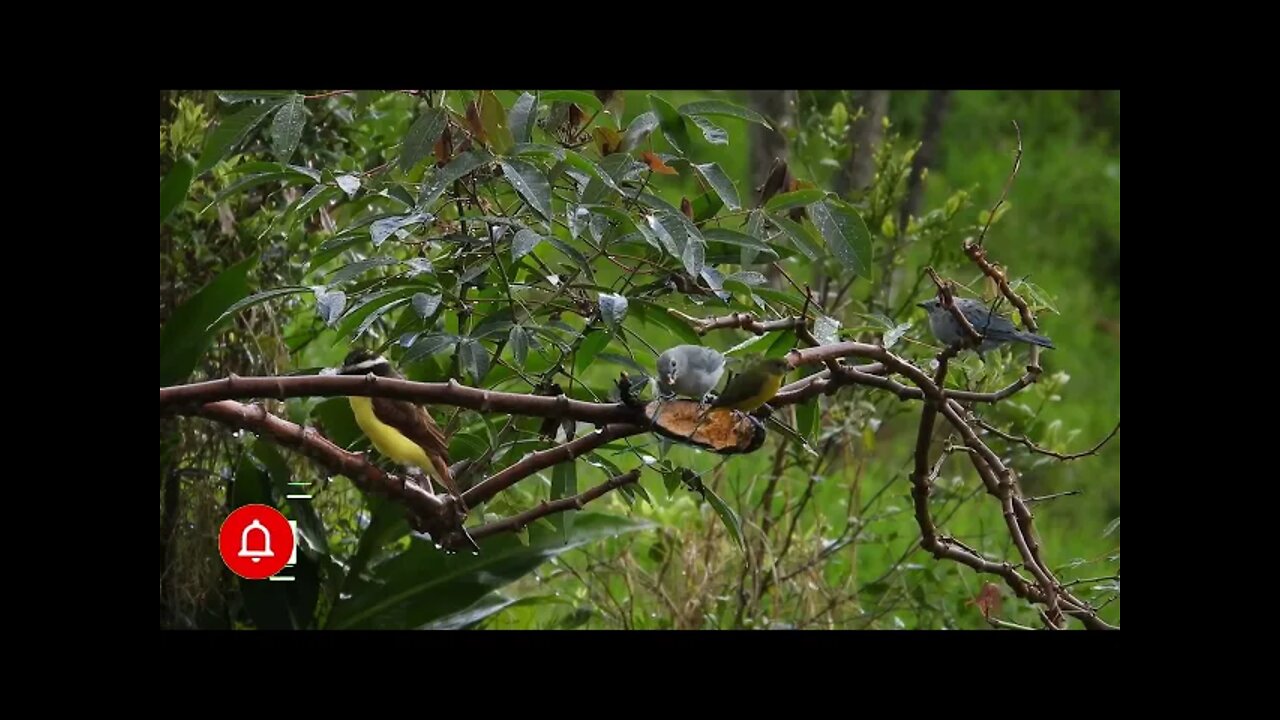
<point x="865" y="135"/>
<point x="935" y="114"/>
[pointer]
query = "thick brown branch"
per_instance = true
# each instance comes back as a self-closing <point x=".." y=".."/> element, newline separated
<point x="517" y="522"/>
<point x="530" y="464"/>
<point x="439" y="515"/>
<point x="450" y="393"/>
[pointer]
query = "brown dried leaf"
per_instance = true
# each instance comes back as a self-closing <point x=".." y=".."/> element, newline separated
<point x="988" y="600"/>
<point x="655" y="164"/>
<point x="686" y="207"/>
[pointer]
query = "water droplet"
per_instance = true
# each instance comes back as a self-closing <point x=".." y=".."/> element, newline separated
<point x="438" y="546"/>
<point x="475" y="553"/>
<point x="344" y="596"/>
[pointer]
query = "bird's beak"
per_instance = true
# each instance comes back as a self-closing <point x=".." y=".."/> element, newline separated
<point x="924" y="305"/>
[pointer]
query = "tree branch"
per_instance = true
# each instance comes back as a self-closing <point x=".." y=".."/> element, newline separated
<point x="532" y="463"/>
<point x="1024" y="440"/>
<point x="517" y="522"/>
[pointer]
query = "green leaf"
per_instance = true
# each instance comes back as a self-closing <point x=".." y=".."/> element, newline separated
<point x="807" y="417"/>
<point x="258" y="298"/>
<point x="672" y="124"/>
<point x="429" y="345"/>
<point x="189" y="330"/>
<point x="493" y="118"/>
<point x="421" y="139"/>
<point x="422" y="584"/>
<point x="640" y="127"/>
<point x="719" y="107"/>
<point x="350" y="184"/>
<point x="382" y="229"/>
<point x="425" y="305"/>
<point x="361" y="317"/>
<point x="714" y="134"/>
<point x="613" y="308"/>
<point x="329" y="306"/>
<point x="650" y="312"/>
<point x="461" y="166"/>
<point x="486" y="607"/>
<point x="473" y="358"/>
<point x="705" y="206"/>
<point x="568" y="250"/>
<point x="247" y="182"/>
<point x="801" y="238"/>
<point x="733" y="237"/>
<point x="585" y="165"/>
<point x="231" y="131"/>
<point x="235" y="96"/>
<point x="721" y="183"/>
<point x="694" y="256"/>
<point x="826" y="330"/>
<point x="846" y="234"/>
<point x="523" y="116"/>
<point x="892" y="337"/>
<point x="799" y="198"/>
<point x="523" y="243"/>
<point x="726" y="514"/>
<point x="577" y="97"/>
<point x="519" y="342"/>
<point x="173" y="189"/>
<point x="286" y="128"/>
<point x="590" y="347"/>
<point x="355" y="269"/>
<point x="564" y="483"/>
<point x="531" y="183"/>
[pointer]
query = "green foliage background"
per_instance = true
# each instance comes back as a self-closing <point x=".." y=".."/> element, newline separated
<point x="670" y="561"/>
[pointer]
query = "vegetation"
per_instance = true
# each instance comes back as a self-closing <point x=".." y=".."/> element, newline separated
<point x="538" y="243"/>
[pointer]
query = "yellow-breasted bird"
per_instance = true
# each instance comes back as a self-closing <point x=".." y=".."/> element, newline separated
<point x="754" y="386"/>
<point x="400" y="429"/>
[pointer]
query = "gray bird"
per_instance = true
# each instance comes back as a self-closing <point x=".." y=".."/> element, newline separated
<point x="994" y="328"/>
<point x="689" y="370"/>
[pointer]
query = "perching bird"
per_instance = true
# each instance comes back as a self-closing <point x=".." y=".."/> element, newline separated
<point x="399" y="429"/>
<point x="754" y="386"/>
<point x="995" y="329"/>
<point x="689" y="370"/>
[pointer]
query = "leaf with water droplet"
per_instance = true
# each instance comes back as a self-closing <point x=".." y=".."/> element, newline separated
<point x="523" y="117"/>
<point x="613" y="308"/>
<point x="845" y="232"/>
<point x="349" y="184"/>
<point x="721" y="183"/>
<point x="826" y="330"/>
<point x="473" y="358"/>
<point x="694" y="256"/>
<point x="519" y="342"/>
<point x="892" y="337"/>
<point x="418" y="266"/>
<point x="430" y="345"/>
<point x="425" y="305"/>
<point x="380" y="230"/>
<point x="714" y="134"/>
<point x="523" y="243"/>
<point x="529" y="180"/>
<point x="329" y="306"/>
<point x="286" y="128"/>
<point x="421" y="138"/>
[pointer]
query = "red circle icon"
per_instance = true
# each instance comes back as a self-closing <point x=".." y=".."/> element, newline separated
<point x="256" y="542"/>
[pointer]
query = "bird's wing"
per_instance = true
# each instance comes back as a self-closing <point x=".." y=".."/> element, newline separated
<point x="997" y="324"/>
<point x="416" y="424"/>
<point x="714" y="360"/>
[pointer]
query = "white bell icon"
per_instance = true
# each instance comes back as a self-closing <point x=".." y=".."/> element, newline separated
<point x="256" y="555"/>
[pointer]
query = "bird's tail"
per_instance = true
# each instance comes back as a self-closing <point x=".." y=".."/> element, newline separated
<point x="1034" y="339"/>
